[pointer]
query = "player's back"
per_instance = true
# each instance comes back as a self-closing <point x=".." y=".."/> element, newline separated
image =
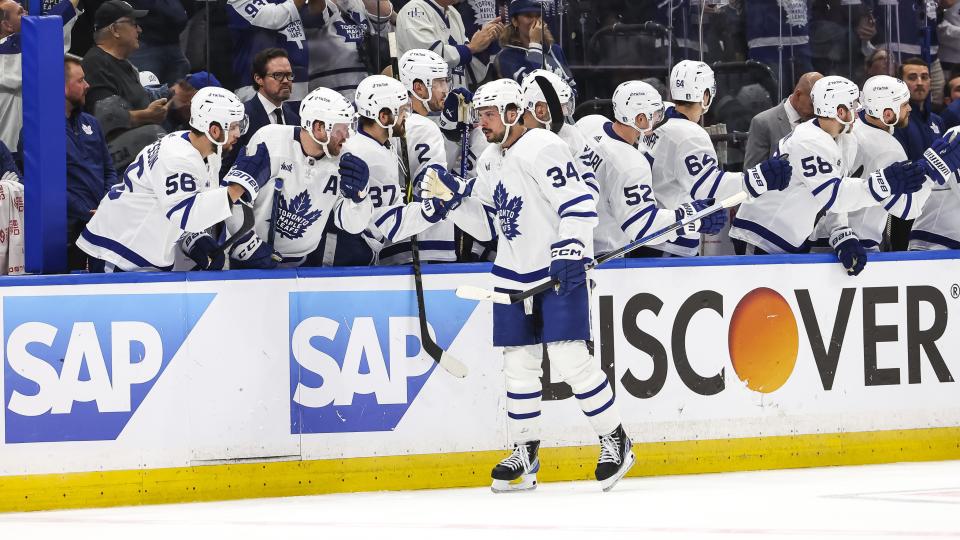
<point x="681" y="149"/>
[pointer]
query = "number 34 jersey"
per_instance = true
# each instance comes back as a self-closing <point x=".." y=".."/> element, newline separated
<point x="169" y="189"/>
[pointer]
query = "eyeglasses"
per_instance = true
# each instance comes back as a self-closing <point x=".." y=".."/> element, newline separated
<point x="280" y="76"/>
<point x="128" y="21"/>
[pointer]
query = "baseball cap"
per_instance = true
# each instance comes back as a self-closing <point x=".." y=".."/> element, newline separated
<point x="148" y="78"/>
<point x="525" y="6"/>
<point x="113" y="10"/>
<point x="202" y="79"/>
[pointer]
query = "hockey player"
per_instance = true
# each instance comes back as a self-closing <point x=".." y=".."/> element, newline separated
<point x="529" y="193"/>
<point x="382" y="108"/>
<point x="627" y="206"/>
<point x="424" y="75"/>
<point x="685" y="165"/>
<point x="173" y="187"/>
<point x="821" y="152"/>
<point x="310" y="184"/>
<point x="537" y="112"/>
<point x="886" y="105"/>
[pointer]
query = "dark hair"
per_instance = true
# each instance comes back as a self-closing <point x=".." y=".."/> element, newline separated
<point x="913" y="61"/>
<point x="947" y="89"/>
<point x="261" y="60"/>
<point x="70" y="59"/>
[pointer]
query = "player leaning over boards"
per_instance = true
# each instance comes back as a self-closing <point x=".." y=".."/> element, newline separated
<point x="172" y="188"/>
<point x="822" y="151"/>
<point x="311" y="183"/>
<point x="685" y="166"/>
<point x="529" y="193"/>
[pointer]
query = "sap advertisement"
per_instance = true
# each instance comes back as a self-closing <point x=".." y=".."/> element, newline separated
<point x="174" y="370"/>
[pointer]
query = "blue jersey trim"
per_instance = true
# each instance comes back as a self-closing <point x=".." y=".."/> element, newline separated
<point x="121" y="250"/>
<point x="771" y="236"/>
<point x="529" y="277"/>
<point x="926" y="236"/>
<point x="531" y="395"/>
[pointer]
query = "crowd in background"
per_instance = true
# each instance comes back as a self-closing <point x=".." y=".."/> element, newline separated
<point x="132" y="68"/>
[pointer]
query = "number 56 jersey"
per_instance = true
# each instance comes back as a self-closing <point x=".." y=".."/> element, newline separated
<point x="168" y="190"/>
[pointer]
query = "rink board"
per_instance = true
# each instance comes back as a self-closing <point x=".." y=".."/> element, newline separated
<point x="158" y="388"/>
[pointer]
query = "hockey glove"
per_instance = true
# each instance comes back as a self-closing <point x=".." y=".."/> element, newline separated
<point x="773" y="173"/>
<point x="203" y="250"/>
<point x="568" y="265"/>
<point x="450" y="122"/>
<point x="354" y="177"/>
<point x="849" y="250"/>
<point x="252" y="252"/>
<point x="942" y="159"/>
<point x="434" y="210"/>
<point x="898" y="178"/>
<point x="251" y="171"/>
<point x="434" y="181"/>
<point x="710" y="224"/>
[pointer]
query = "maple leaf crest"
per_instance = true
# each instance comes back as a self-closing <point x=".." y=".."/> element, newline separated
<point x="295" y="217"/>
<point x="508" y="211"/>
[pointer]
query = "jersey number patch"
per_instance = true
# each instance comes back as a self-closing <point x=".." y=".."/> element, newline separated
<point x="558" y="176"/>
<point x="180" y="182"/>
<point x="810" y="169"/>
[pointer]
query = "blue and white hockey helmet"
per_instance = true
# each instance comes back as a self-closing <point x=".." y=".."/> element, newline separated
<point x="424" y="66"/>
<point x="883" y="92"/>
<point x="501" y="93"/>
<point x="215" y="105"/>
<point x="327" y="106"/>
<point x="532" y="94"/>
<point x="689" y="80"/>
<point x="633" y="98"/>
<point x="832" y="92"/>
<point x="378" y="92"/>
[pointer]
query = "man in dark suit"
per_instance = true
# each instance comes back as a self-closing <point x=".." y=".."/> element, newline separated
<point x="273" y="81"/>
<point x="768" y="127"/>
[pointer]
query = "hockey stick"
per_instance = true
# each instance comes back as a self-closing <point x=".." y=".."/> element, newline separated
<point x="446" y="360"/>
<point x="470" y="292"/>
<point x="275" y="210"/>
<point x="245" y="227"/>
<point x="553" y="103"/>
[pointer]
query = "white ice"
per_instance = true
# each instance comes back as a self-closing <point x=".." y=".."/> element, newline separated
<point x="903" y="501"/>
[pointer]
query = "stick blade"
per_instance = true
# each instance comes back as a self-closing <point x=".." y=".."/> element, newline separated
<point x="469" y="292"/>
<point x="446" y="360"/>
<point x="553" y="103"/>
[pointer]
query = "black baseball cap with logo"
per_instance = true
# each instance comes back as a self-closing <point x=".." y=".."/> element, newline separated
<point x="112" y="11"/>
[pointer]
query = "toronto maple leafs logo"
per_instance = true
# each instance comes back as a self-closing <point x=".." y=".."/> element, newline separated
<point x="295" y="217"/>
<point x="508" y="211"/>
<point x="352" y="29"/>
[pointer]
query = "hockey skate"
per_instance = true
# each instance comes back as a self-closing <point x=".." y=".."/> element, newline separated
<point x="519" y="471"/>
<point x="616" y="458"/>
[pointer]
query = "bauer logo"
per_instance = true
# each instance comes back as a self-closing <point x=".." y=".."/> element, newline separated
<point x="356" y="363"/>
<point x="76" y="368"/>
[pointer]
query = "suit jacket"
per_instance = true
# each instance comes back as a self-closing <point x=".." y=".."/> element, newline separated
<point x="257" y="117"/>
<point x="766" y="130"/>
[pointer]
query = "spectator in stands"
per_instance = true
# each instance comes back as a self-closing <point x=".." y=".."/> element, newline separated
<point x="127" y="115"/>
<point x="90" y="171"/>
<point x="772" y="25"/>
<point x="256" y="25"/>
<point x="181" y="94"/>
<point x="949" y="33"/>
<point x="273" y="82"/>
<point x="527" y="44"/>
<point x="11" y="82"/>
<point x="924" y="126"/>
<point x="159" y="49"/>
<point x="951" y="99"/>
<point x="436" y="26"/>
<point x="338" y="41"/>
<point x="878" y="63"/>
<point x="768" y="127"/>
<point x="8" y="167"/>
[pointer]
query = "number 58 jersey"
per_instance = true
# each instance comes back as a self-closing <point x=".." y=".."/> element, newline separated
<point x="169" y="189"/>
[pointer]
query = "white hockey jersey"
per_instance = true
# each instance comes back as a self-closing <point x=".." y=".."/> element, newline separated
<point x="298" y="212"/>
<point x="425" y="146"/>
<point x="627" y="206"/>
<point x="877" y="149"/>
<point x="169" y="189"/>
<point x="592" y="125"/>
<point x="685" y="168"/>
<point x="784" y="221"/>
<point x="422" y="24"/>
<point x="938" y="226"/>
<point x="392" y="220"/>
<point x="531" y="196"/>
<point x="333" y="39"/>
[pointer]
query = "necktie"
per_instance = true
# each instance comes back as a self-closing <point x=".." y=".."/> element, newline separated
<point x="278" y="116"/>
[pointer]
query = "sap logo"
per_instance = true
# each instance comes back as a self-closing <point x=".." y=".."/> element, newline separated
<point x="356" y="363"/>
<point x="78" y="367"/>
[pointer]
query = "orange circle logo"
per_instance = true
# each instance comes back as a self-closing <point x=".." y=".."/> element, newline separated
<point x="763" y="340"/>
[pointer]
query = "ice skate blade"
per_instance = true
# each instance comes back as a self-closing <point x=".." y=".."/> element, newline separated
<point x="621" y="472"/>
<point x="527" y="482"/>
